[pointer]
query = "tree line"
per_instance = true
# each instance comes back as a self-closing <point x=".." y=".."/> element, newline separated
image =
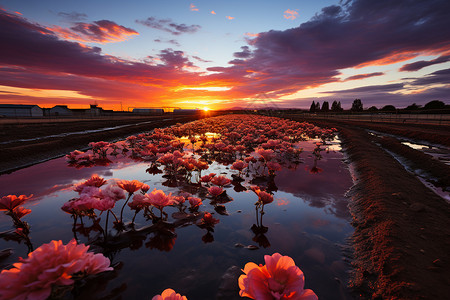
<point x="357" y="106"/>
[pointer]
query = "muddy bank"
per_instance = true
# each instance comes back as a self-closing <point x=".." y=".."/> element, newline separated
<point x="402" y="229"/>
<point x="16" y="153"/>
<point x="433" y="134"/>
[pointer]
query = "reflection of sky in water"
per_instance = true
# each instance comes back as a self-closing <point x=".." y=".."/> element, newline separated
<point x="308" y="220"/>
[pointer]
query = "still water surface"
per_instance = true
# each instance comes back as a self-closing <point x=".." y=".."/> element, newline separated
<point x="308" y="220"/>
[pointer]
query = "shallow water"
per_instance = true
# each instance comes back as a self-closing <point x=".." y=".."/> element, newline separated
<point x="308" y="220"/>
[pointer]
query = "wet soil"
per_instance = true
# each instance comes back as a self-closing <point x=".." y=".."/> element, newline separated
<point x="402" y="229"/>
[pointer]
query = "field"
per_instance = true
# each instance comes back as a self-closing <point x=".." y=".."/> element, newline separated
<point x="401" y="243"/>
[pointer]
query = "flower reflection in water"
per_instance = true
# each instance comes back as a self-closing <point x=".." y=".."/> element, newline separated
<point x="239" y="157"/>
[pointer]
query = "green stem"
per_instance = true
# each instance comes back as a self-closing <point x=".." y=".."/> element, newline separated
<point x="121" y="211"/>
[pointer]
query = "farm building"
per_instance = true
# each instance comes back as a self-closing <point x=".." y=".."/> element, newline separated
<point x="19" y="110"/>
<point x="60" y="110"/>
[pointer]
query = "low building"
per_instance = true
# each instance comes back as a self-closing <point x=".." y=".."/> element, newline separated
<point x="20" y="110"/>
<point x="60" y="110"/>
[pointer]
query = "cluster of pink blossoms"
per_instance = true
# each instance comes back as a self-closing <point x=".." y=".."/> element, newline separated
<point x="50" y="265"/>
<point x="93" y="197"/>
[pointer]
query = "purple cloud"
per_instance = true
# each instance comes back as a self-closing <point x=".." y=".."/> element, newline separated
<point x="362" y="76"/>
<point x="383" y="88"/>
<point x="438" y="77"/>
<point x="359" y="33"/>
<point x="173" y="42"/>
<point x="415" y="66"/>
<point x="73" y="16"/>
<point x="168" y="26"/>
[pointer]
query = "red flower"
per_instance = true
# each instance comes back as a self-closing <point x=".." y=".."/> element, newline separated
<point x="12" y="201"/>
<point x="130" y="186"/>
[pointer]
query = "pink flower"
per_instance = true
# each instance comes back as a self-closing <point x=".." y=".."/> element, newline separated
<point x="195" y="202"/>
<point x="220" y="180"/>
<point x="280" y="278"/>
<point x="266" y="154"/>
<point x="94" y="181"/>
<point x="167" y="159"/>
<point x="178" y="200"/>
<point x="159" y="199"/>
<point x="69" y="207"/>
<point x="103" y="204"/>
<point x="208" y="220"/>
<point x="169" y="294"/>
<point x="250" y="159"/>
<point x="49" y="265"/>
<point x="12" y="201"/>
<point x="139" y="202"/>
<point x="265" y="198"/>
<point x="201" y="165"/>
<point x="130" y="186"/>
<point x="273" y="166"/>
<point x="145" y="188"/>
<point x="239" y="165"/>
<point x="215" y="191"/>
<point x="114" y="192"/>
<point x="21" y="211"/>
<point x="207" y="178"/>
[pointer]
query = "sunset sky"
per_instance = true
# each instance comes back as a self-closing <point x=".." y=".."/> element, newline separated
<point x="224" y="54"/>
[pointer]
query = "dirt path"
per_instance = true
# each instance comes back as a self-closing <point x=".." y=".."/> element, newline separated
<point x="402" y="229"/>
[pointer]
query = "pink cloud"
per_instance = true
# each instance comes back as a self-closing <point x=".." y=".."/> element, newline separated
<point x="290" y="14"/>
<point x="229" y="18"/>
<point x="193" y="7"/>
<point x="102" y="31"/>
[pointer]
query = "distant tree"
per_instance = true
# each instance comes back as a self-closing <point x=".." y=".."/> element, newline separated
<point x="435" y="104"/>
<point x="373" y="108"/>
<point x="357" y="105"/>
<point x="313" y="107"/>
<point x="336" y="106"/>
<point x="389" y="108"/>
<point x="317" y="106"/>
<point x="325" y="106"/>
<point x="413" y="106"/>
